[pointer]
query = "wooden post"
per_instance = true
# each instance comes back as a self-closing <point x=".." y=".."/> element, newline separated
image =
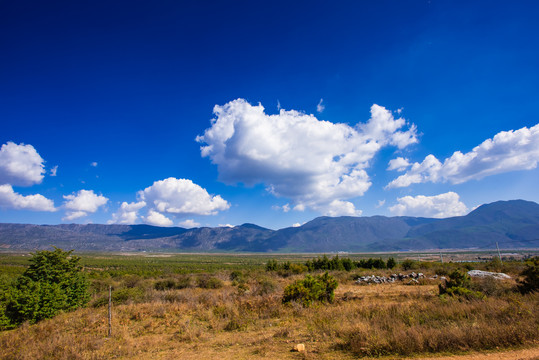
<point x="110" y="311"/>
<point x="441" y="257"/>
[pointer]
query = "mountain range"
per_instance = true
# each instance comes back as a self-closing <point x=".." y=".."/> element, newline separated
<point x="513" y="224"/>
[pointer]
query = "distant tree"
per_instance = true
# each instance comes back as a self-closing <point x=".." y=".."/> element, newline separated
<point x="347" y="264"/>
<point x="408" y="264"/>
<point x="53" y="282"/>
<point x="391" y="263"/>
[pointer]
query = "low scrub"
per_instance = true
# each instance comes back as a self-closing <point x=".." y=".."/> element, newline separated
<point x="445" y="325"/>
<point x="310" y="289"/>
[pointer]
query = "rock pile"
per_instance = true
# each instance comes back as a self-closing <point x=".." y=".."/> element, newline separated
<point x="413" y="277"/>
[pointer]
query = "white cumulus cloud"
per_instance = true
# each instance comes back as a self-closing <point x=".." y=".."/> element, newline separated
<point x="12" y="200"/>
<point x="338" y="208"/>
<point x="399" y="164"/>
<point x="20" y="165"/>
<point x="157" y="219"/>
<point x="438" y="206"/>
<point x="82" y="203"/>
<point x="506" y="151"/>
<point x="189" y="224"/>
<point x="317" y="164"/>
<point x="181" y="196"/>
<point x="127" y="213"/>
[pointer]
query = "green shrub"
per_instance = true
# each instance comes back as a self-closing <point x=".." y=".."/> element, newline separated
<point x="165" y="284"/>
<point x="237" y="275"/>
<point x="463" y="292"/>
<point x="458" y="279"/>
<point x="530" y="283"/>
<point x="53" y="282"/>
<point x="209" y="282"/>
<point x="391" y="263"/>
<point x="183" y="282"/>
<point x="409" y="264"/>
<point x="318" y="288"/>
<point x="272" y="265"/>
<point x="127" y="295"/>
<point x="459" y="285"/>
<point x="291" y="269"/>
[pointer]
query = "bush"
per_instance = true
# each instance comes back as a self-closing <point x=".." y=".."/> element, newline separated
<point x="209" y="282"/>
<point x="265" y="286"/>
<point x="272" y="265"/>
<point x="165" y="284"/>
<point x="391" y="263"/>
<point x="408" y="264"/>
<point x="237" y="275"/>
<point x="319" y="288"/>
<point x="530" y="283"/>
<point x="53" y="282"/>
<point x="459" y="285"/>
<point x="291" y="269"/>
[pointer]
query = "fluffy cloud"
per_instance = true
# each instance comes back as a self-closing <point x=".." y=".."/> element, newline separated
<point x="12" y="200"/>
<point x="127" y="213"/>
<point x="54" y="170"/>
<point x="82" y="203"/>
<point x="157" y="219"/>
<point x="338" y="208"/>
<point x="189" y="223"/>
<point x="181" y="196"/>
<point x="20" y="165"/>
<point x="399" y="164"/>
<point x="170" y="197"/>
<point x="439" y="206"/>
<point x="317" y="164"/>
<point x="506" y="151"/>
<point x="320" y="107"/>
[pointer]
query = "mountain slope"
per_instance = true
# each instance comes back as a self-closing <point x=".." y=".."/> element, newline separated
<point x="511" y="223"/>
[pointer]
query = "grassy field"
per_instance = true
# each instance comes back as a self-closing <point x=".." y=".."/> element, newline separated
<point x="203" y="306"/>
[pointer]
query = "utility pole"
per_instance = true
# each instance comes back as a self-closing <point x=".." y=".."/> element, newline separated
<point x="441" y="257"/>
<point x="110" y="310"/>
<point x="499" y="255"/>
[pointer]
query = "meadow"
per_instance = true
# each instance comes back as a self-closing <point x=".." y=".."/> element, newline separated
<point x="227" y="306"/>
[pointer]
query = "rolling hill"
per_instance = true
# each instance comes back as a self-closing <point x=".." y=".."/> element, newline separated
<point x="514" y="224"/>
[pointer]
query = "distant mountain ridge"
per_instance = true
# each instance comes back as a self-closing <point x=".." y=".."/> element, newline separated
<point x="514" y="224"/>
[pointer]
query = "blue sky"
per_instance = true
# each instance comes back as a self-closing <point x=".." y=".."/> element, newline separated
<point x="210" y="113"/>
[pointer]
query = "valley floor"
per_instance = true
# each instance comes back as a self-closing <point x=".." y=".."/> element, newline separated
<point x="218" y="324"/>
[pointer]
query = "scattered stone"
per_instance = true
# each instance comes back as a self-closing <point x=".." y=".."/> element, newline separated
<point x="299" y="347"/>
<point x="372" y="279"/>
<point x="482" y="274"/>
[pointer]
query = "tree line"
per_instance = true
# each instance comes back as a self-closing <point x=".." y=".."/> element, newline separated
<point x="335" y="263"/>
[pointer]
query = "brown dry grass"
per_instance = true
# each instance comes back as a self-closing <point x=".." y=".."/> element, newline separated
<point x="392" y="320"/>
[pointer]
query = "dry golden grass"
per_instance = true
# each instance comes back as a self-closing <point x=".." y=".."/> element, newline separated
<point x="193" y="323"/>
